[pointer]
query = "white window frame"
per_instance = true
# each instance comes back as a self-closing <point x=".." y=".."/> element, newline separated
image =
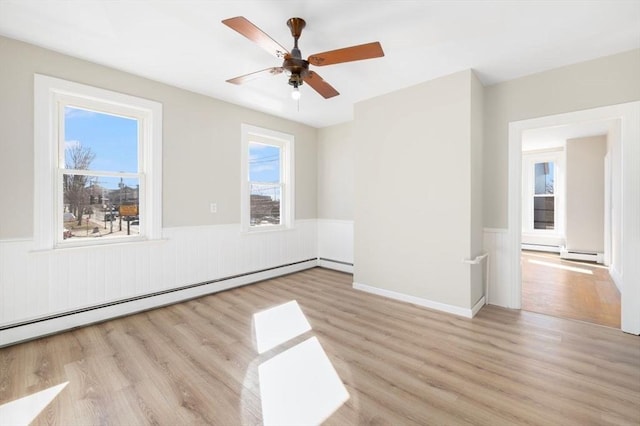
<point x="51" y="95"/>
<point x="529" y="160"/>
<point x="285" y="141"/>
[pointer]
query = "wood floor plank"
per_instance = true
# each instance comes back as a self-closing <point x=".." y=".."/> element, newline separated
<point x="196" y="363"/>
<point x="569" y="289"/>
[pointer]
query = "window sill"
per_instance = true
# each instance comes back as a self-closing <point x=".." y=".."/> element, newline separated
<point x="102" y="245"/>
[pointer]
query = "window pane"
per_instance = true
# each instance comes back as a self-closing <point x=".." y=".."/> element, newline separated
<point x="98" y="141"/>
<point x="544" y="178"/>
<point x="92" y="206"/>
<point x="265" y="204"/>
<point x="543" y="212"/>
<point x="264" y="163"/>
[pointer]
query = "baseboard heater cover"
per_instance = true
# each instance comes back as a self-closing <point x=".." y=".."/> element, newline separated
<point x="581" y="255"/>
<point x="42" y="326"/>
<point x="540" y="247"/>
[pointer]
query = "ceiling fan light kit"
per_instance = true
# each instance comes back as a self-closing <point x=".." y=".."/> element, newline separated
<point x="296" y="68"/>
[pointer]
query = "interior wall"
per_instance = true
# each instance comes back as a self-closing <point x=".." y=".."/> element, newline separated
<point x="199" y="253"/>
<point x="600" y="82"/>
<point x="201" y="142"/>
<point x="336" y="159"/>
<point x="585" y="194"/>
<point x="476" y="143"/>
<point x="413" y="184"/>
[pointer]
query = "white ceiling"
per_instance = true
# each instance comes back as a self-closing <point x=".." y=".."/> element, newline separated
<point x="183" y="43"/>
<point x="556" y="137"/>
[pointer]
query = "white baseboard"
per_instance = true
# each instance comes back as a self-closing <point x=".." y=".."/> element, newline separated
<point x="336" y="265"/>
<point x="456" y="310"/>
<point x="47" y="326"/>
<point x="479" y="305"/>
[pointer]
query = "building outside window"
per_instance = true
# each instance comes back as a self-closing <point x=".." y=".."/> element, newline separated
<point x="267" y="184"/>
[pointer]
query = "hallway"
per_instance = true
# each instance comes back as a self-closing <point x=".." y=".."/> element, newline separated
<point x="569" y="289"/>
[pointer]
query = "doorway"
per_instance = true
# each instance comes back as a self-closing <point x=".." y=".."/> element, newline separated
<point x="625" y="199"/>
<point x="564" y="188"/>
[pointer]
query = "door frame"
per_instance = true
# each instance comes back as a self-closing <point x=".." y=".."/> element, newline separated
<point x="626" y="272"/>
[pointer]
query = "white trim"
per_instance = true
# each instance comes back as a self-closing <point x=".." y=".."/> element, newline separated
<point x="476" y="308"/>
<point x="616" y="277"/>
<point x="286" y="142"/>
<point x="38" y="329"/>
<point x="456" y="310"/>
<point x="628" y="274"/>
<point x="49" y="95"/>
<point x="336" y="266"/>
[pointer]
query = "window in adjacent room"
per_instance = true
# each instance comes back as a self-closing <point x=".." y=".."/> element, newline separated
<point x="267" y="185"/>
<point x="97" y="165"/>
<point x="542" y="193"/>
<point x="544" y="210"/>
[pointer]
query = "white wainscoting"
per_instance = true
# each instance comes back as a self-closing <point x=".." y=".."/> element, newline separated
<point x="38" y="285"/>
<point x="335" y="244"/>
<point x="496" y="243"/>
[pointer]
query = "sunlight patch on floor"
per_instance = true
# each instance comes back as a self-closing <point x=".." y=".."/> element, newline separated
<point x="279" y="324"/>
<point x="24" y="410"/>
<point x="564" y="267"/>
<point x="300" y="386"/>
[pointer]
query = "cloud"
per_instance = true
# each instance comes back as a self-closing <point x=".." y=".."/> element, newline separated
<point x="263" y="168"/>
<point x="258" y="146"/>
<point x="71" y="144"/>
<point x="70" y="112"/>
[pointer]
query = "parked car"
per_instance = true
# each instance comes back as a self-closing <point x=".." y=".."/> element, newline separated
<point x="110" y="216"/>
<point x="68" y="217"/>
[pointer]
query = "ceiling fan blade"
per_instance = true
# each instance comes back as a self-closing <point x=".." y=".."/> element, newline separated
<point x="319" y="85"/>
<point x="252" y="76"/>
<point x="255" y="34"/>
<point x="347" y="54"/>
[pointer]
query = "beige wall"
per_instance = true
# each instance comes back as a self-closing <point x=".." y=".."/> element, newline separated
<point x="600" y="82"/>
<point x="336" y="160"/>
<point x="413" y="208"/>
<point x="201" y="146"/>
<point x="477" y="225"/>
<point x="585" y="194"/>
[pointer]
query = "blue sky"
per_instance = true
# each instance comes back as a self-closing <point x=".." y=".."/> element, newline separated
<point x="112" y="139"/>
<point x="264" y="163"/>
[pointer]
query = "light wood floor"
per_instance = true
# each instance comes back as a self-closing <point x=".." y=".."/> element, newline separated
<point x="195" y="363"/>
<point x="583" y="291"/>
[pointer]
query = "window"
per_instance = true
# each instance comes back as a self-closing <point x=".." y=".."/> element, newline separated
<point x="542" y="192"/>
<point x="98" y="159"/>
<point x="267" y="187"/>
<point x="544" y="196"/>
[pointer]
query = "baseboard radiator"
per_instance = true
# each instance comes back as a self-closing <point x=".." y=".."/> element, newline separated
<point x="541" y="247"/>
<point x="581" y="255"/>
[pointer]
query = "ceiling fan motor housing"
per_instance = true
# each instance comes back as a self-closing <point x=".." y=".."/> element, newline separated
<point x="293" y="63"/>
<point x="299" y="69"/>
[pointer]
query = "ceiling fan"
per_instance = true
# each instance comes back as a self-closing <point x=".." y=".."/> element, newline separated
<point x="294" y="66"/>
